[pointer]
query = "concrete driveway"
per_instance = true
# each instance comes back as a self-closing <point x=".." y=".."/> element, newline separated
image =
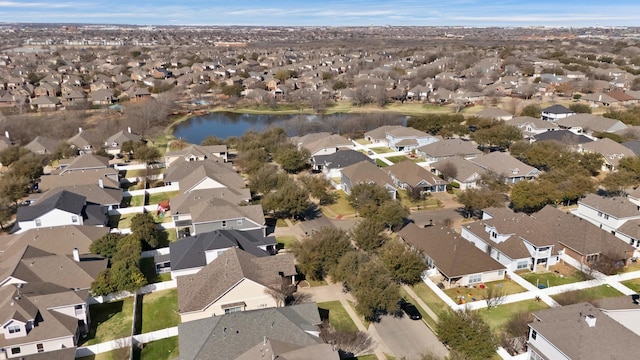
<point x="409" y="338"/>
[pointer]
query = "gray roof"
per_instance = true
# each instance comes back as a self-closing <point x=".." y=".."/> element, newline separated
<point x="190" y="252"/>
<point x="87" y="161"/>
<point x="633" y="145"/>
<point x="63" y="200"/>
<point x="592" y="123"/>
<point x="220" y="209"/>
<point x="190" y="173"/>
<point x="450" y="147"/>
<point x="341" y="159"/>
<point x="466" y="169"/>
<point x="413" y="174"/>
<point x="381" y="132"/>
<point x="566" y="328"/>
<point x="557" y="109"/>
<point x="196" y="292"/>
<point x="93" y="193"/>
<point x="43" y="145"/>
<point x="617" y="206"/>
<point x="367" y="172"/>
<point x="563" y="136"/>
<point x="504" y="164"/>
<point x="231" y="335"/>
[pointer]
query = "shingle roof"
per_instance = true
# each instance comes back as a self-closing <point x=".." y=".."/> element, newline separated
<point x="381" y="132"/>
<point x="413" y="174"/>
<point x="341" y="159"/>
<point x="189" y="173"/>
<point x="87" y="161"/>
<point x="504" y="164"/>
<point x="220" y="209"/>
<point x="63" y="200"/>
<point x="42" y="144"/>
<point x="93" y="193"/>
<point x="450" y="147"/>
<point x="232" y="335"/>
<point x="617" y="206"/>
<point x="566" y="328"/>
<point x="564" y="136"/>
<point x="196" y="292"/>
<point x="557" y="109"/>
<point x="451" y="254"/>
<point x="190" y="252"/>
<point x="366" y="172"/>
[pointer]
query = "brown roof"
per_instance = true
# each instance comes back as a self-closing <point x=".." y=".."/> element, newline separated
<point x="220" y="209"/>
<point x="450" y="147"/>
<point x="59" y="269"/>
<point x="196" y="292"/>
<point x="182" y="203"/>
<point x="411" y="173"/>
<point x="366" y="172"/>
<point x="451" y="254"/>
<point x="190" y="173"/>
<point x="108" y="176"/>
<point x="617" y="206"/>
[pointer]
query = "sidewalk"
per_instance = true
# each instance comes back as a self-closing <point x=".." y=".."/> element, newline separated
<point x="426" y="307"/>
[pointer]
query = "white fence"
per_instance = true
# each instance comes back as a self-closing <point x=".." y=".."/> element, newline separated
<point x="165" y="285"/>
<point x="155" y="335"/>
<point x="126" y="342"/>
<point x="126" y="167"/>
<point x="156" y="190"/>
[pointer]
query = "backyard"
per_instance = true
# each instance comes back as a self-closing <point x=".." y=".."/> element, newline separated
<point x="509" y="287"/>
<point x="341" y="207"/>
<point x="586" y="295"/>
<point x="160" y="310"/>
<point x="337" y="315"/>
<point x="109" y="321"/>
<point x="549" y="279"/>
<point x="286" y="241"/>
<point x="148" y="269"/>
<point x="498" y="316"/>
<point x="165" y="349"/>
<point x="118" y="354"/>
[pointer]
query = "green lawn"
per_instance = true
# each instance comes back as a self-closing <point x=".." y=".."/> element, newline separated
<point x="594" y="293"/>
<point x="381" y="150"/>
<point x="286" y="241"/>
<point x="364" y="357"/>
<point x="157" y="198"/>
<point x="120" y="221"/>
<point x="342" y="206"/>
<point x="509" y="287"/>
<point x="498" y="316"/>
<point x="552" y="278"/>
<point x="137" y="200"/>
<point x="160" y="310"/>
<point x="148" y="269"/>
<point x="429" y="202"/>
<point x="110" y="321"/>
<point x="363" y="141"/>
<point x="397" y="159"/>
<point x="118" y="354"/>
<point x="338" y="316"/>
<point x="165" y="349"/>
<point x="430" y="298"/>
<point x="381" y="163"/>
<point x="633" y="284"/>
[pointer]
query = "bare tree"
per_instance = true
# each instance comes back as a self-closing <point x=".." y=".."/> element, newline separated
<point x="448" y="170"/>
<point x="494" y="296"/>
<point x="348" y="342"/>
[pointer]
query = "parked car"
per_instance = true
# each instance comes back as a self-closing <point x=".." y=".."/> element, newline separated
<point x="411" y="311"/>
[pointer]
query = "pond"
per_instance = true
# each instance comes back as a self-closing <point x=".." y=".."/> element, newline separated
<point x="226" y="124"/>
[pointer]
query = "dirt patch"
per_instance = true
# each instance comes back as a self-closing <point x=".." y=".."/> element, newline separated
<point x="563" y="269"/>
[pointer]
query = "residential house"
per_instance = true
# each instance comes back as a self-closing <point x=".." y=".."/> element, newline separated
<point x="448" y="148"/>
<point x="379" y="135"/>
<point x="73" y="97"/>
<point x="45" y="103"/>
<point x="190" y="254"/>
<point x="579" y="331"/>
<point x="331" y="165"/>
<point x="622" y="309"/>
<point x="322" y="143"/>
<point x="611" y="151"/>
<point x="495" y="113"/>
<point x="82" y="142"/>
<point x="588" y="124"/>
<point x="82" y="163"/>
<point x="414" y="178"/>
<point x="555" y="112"/>
<point x="565" y="137"/>
<point x="505" y="165"/>
<point x="197" y="153"/>
<point x="531" y="127"/>
<point x="611" y="98"/>
<point x="113" y="144"/>
<point x="97" y="193"/>
<point x="366" y="172"/>
<point x="467" y="174"/>
<point x="108" y="175"/>
<point x="59" y="209"/>
<point x="452" y="260"/>
<point x="408" y="139"/>
<point x="617" y="215"/>
<point x="102" y="97"/>
<point x="234" y="281"/>
<point x="510" y="239"/>
<point x="290" y="332"/>
<point x="43" y="145"/>
<point x="205" y="174"/>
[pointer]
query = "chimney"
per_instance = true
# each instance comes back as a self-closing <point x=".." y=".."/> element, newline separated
<point x="129" y="129"/>
<point x="6" y="134"/>
<point x="101" y="183"/>
<point x="76" y="255"/>
<point x="591" y="320"/>
<point x="599" y="97"/>
<point x="79" y="130"/>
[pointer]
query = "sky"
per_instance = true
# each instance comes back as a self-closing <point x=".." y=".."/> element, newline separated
<point x="555" y="13"/>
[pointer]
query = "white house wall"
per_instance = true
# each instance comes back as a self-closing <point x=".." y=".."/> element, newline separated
<point x="183" y="272"/>
<point x="545" y="348"/>
<point x="207" y="183"/>
<point x="31" y="347"/>
<point x="55" y="217"/>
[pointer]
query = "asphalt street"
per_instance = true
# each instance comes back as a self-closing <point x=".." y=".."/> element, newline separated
<point x="409" y="338"/>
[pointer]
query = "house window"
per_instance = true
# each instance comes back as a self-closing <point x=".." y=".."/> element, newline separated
<point x="15" y="350"/>
<point x="74" y="219"/>
<point x="522" y="264"/>
<point x="40" y="347"/>
<point x="534" y="334"/>
<point x="14" y="329"/>
<point x="535" y="356"/>
<point x="592" y="258"/>
<point x="78" y="307"/>
<point x="497" y="256"/>
<point x="475" y="278"/>
<point x="224" y="223"/>
<point x="38" y="222"/>
<point x="233" y="309"/>
<point x="501" y="273"/>
<point x="239" y="222"/>
<point x="606" y="217"/>
<point x="599" y="213"/>
<point x="494" y="235"/>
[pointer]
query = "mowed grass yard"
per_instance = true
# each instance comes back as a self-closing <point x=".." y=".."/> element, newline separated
<point x="286" y="241"/>
<point x="110" y="321"/>
<point x="160" y="310"/>
<point x="509" y="287"/>
<point x="338" y="316"/>
<point x="551" y="279"/>
<point x="118" y="354"/>
<point x="594" y="293"/>
<point x="342" y="206"/>
<point x="430" y="298"/>
<point x="633" y="284"/>
<point x="498" y="316"/>
<point x="165" y="349"/>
